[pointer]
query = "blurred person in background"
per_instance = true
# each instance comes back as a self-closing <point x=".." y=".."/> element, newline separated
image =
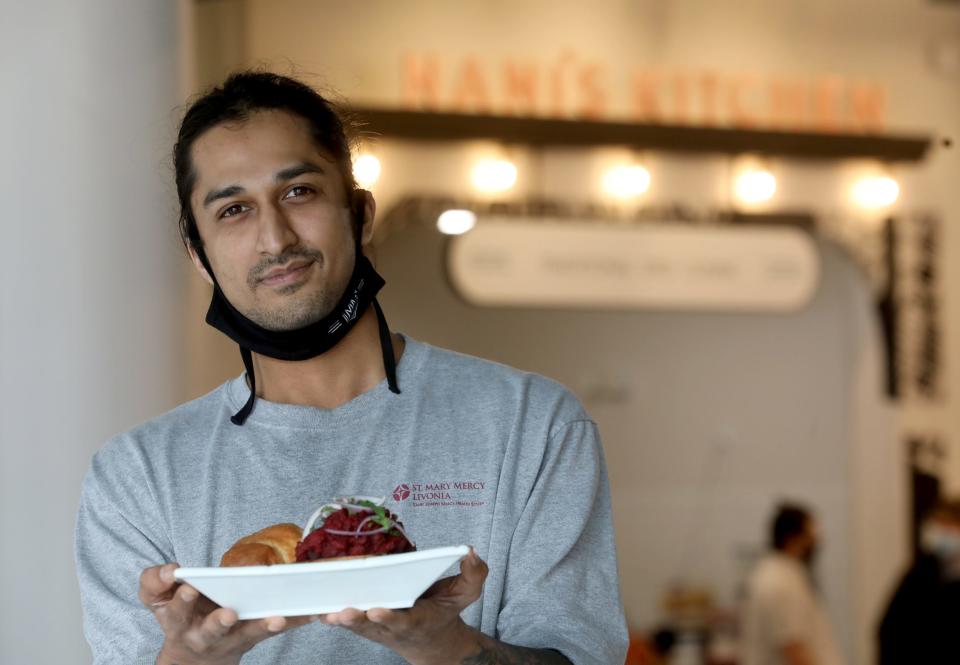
<point x="920" y="623"/>
<point x="784" y="622"/>
<point x="332" y="402"/>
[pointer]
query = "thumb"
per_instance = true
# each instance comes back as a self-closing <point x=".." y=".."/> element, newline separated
<point x="157" y="584"/>
<point x="473" y="573"/>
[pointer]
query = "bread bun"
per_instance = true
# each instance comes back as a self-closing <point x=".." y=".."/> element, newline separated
<point x="273" y="545"/>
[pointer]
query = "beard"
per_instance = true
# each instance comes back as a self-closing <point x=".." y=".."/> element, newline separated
<point x="295" y="311"/>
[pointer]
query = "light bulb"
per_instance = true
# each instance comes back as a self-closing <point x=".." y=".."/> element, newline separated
<point x="494" y="175"/>
<point x="456" y="222"/>
<point x="366" y="170"/>
<point x="755" y="186"/>
<point x="626" y="182"/>
<point x="876" y="192"/>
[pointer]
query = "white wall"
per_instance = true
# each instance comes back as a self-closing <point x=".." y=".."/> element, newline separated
<point x="90" y="281"/>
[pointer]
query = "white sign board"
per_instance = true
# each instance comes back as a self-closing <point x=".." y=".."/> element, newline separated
<point x="590" y="264"/>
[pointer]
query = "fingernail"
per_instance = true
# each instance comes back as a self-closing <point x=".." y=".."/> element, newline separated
<point x="166" y="574"/>
<point x="275" y="625"/>
<point x="188" y="595"/>
<point x="226" y="622"/>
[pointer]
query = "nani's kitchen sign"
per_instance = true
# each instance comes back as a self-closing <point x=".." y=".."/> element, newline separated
<point x="570" y="86"/>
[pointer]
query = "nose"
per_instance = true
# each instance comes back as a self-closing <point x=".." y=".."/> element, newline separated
<point x="276" y="234"/>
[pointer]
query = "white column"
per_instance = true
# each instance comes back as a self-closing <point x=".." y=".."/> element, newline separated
<point x="90" y="280"/>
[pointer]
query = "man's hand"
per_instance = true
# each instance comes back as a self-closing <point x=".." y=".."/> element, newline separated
<point x="198" y="631"/>
<point x="431" y="632"/>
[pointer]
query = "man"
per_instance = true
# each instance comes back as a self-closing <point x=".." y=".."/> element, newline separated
<point x="332" y="403"/>
<point x="919" y="624"/>
<point x="784" y="622"/>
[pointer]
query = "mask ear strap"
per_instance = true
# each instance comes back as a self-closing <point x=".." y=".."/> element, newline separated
<point x="386" y="347"/>
<point x="386" y="341"/>
<point x="240" y="416"/>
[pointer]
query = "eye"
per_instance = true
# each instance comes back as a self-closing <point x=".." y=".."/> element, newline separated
<point x="233" y="210"/>
<point x="298" y="191"/>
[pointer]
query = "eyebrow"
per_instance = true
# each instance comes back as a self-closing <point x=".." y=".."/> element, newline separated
<point x="284" y="174"/>
<point x="298" y="169"/>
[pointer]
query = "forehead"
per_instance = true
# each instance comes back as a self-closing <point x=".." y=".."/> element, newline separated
<point x="255" y="147"/>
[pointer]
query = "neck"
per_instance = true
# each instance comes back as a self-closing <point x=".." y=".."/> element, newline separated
<point x="349" y="369"/>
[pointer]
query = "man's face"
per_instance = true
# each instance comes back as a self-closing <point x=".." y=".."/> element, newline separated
<point x="272" y="212"/>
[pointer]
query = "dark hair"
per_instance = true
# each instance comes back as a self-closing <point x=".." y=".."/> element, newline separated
<point x="240" y="95"/>
<point x="789" y="521"/>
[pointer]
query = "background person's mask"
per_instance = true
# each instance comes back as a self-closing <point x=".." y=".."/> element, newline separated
<point x="940" y="541"/>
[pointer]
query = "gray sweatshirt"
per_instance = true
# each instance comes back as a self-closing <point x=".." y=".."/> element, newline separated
<point x="471" y="452"/>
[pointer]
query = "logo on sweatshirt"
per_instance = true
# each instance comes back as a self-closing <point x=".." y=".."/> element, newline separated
<point x="467" y="493"/>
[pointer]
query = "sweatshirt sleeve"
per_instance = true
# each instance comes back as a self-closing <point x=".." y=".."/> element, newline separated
<point x="562" y="580"/>
<point x="118" y="534"/>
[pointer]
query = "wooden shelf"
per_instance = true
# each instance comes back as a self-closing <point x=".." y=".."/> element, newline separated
<point x="427" y="126"/>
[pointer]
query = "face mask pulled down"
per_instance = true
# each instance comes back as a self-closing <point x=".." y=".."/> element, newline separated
<point x="306" y="342"/>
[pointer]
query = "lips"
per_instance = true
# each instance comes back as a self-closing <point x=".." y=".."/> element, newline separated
<point x="286" y="275"/>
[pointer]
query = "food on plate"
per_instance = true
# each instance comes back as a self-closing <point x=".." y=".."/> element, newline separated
<point x="347" y="527"/>
<point x="275" y="544"/>
<point x="351" y="528"/>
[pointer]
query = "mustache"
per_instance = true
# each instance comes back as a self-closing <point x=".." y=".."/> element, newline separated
<point x="302" y="253"/>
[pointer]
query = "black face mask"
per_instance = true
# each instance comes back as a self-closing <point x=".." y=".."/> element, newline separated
<point x="311" y="340"/>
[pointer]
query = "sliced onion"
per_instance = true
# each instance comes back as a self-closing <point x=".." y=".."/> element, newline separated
<point x="338" y="532"/>
<point x="349" y="502"/>
<point x="308" y="527"/>
<point x="396" y="525"/>
<point x="366" y="520"/>
<point x="353" y="508"/>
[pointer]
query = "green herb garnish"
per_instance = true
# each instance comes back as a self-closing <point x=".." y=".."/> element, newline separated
<point x="380" y="514"/>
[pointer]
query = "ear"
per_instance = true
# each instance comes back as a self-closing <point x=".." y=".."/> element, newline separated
<point x="198" y="264"/>
<point x="368" y="206"/>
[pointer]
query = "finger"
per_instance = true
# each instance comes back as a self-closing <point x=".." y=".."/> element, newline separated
<point x="461" y="590"/>
<point x="178" y="613"/>
<point x="396" y="621"/>
<point x="348" y="617"/>
<point x="440" y="588"/>
<point x="473" y="567"/>
<point x="253" y="631"/>
<point x="473" y="573"/>
<point x="358" y="623"/>
<point x="157" y="584"/>
<point x="217" y="625"/>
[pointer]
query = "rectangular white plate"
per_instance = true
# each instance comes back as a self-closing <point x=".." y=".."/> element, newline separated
<point x="318" y="587"/>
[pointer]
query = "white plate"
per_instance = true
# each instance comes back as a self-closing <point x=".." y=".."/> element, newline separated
<point x="318" y="587"/>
